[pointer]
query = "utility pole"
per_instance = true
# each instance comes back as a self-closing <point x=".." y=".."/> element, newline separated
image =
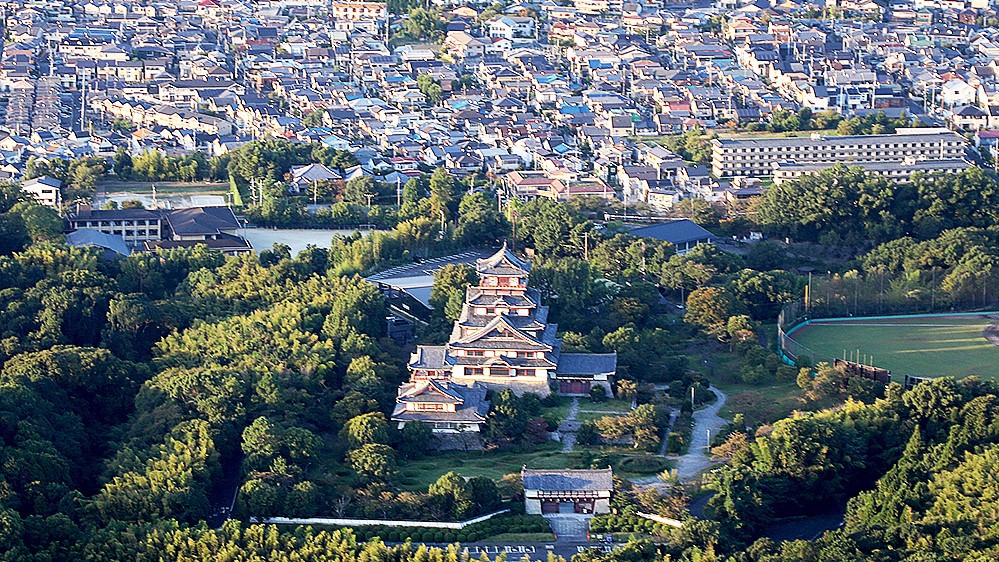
<point x="83" y="103"/>
<point x="398" y="192"/>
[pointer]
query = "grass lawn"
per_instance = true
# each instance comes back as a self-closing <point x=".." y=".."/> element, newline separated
<point x="927" y="347"/>
<point x="164" y="187"/>
<point x="561" y="411"/>
<point x="613" y="405"/>
<point x="765" y="404"/>
<point x="417" y="475"/>
<point x="759" y="404"/>
<point x="593" y="416"/>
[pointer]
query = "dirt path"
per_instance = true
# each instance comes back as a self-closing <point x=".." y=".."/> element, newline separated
<point x="698" y="457"/>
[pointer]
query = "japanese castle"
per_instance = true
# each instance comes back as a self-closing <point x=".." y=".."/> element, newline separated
<point x="502" y="339"/>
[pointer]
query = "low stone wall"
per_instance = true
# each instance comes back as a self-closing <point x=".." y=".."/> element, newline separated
<point x="660" y="519"/>
<point x="374" y="522"/>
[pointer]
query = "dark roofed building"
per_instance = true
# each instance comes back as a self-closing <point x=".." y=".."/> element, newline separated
<point x="684" y="234"/>
<point x="225" y="243"/>
<point x="200" y="223"/>
<point x="445" y="406"/>
<point x="135" y="226"/>
<point x="578" y="372"/>
<point x="553" y="492"/>
<point x="215" y="227"/>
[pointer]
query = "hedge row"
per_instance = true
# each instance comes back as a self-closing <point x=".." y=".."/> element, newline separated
<point x="472" y="533"/>
<point x="625" y="524"/>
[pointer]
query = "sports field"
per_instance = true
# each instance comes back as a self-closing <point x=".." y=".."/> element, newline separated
<point x="928" y="346"/>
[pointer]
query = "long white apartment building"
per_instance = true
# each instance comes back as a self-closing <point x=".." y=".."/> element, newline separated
<point x="897" y="172"/>
<point x="758" y="157"/>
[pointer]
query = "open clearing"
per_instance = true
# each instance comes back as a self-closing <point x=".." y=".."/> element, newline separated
<point x="927" y="346"/>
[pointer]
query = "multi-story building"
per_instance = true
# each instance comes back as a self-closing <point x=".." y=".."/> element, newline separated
<point x="446" y="407"/>
<point x="350" y="10"/>
<point x="214" y="227"/>
<point x="46" y="190"/>
<point x="893" y="171"/>
<point x="758" y="157"/>
<point x="135" y="226"/>
<point x="599" y="7"/>
<point x="503" y="339"/>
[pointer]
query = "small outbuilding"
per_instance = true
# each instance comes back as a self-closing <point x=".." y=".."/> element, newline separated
<point x="553" y="492"/>
<point x="684" y="234"/>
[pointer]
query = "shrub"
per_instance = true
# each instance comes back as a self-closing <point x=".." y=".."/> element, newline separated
<point x="598" y="394"/>
<point x="643" y="465"/>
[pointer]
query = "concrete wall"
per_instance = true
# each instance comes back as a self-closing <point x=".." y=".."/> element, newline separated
<point x="373" y="522"/>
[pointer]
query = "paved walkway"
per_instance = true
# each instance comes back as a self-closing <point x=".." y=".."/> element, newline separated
<point x="569" y="426"/>
<point x="673" y="413"/>
<point x="571" y="528"/>
<point x="698" y="457"/>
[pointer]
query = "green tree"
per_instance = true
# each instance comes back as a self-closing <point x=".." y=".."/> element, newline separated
<point x="442" y="194"/>
<point x="430" y="89"/>
<point x="415" y="439"/>
<point x="479" y="222"/>
<point x="373" y="460"/>
<point x="423" y="24"/>
<point x="367" y="429"/>
<point x="315" y="119"/>
<point x="358" y="189"/>
<point x="40" y="222"/>
<point x="454" y="494"/>
<point x="122" y="163"/>
<point x="448" y="291"/>
<point x="709" y="308"/>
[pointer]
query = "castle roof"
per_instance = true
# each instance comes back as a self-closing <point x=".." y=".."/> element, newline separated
<point x="503" y="262"/>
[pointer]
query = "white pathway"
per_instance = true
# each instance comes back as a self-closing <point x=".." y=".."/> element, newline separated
<point x="569" y="426"/>
<point x="698" y="457"/>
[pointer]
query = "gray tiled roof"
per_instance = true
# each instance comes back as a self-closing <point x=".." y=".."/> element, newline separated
<point x="676" y="232"/>
<point x="586" y="363"/>
<point x="472" y="409"/>
<point x="514" y="335"/>
<point x="438" y="392"/>
<point x="503" y="262"/>
<point x="430" y="357"/>
<point x="201" y="220"/>
<point x="568" y="480"/>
